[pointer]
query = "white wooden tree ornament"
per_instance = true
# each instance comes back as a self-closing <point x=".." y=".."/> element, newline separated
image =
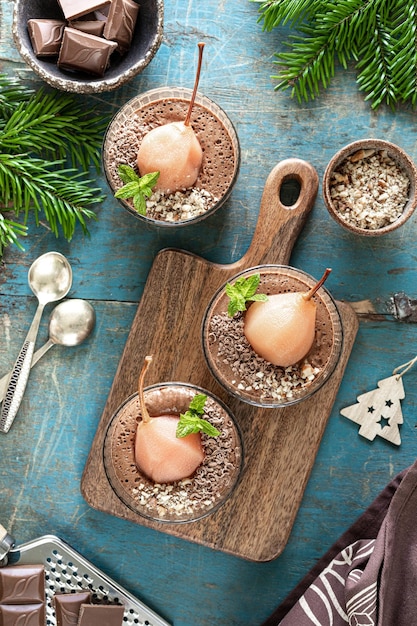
<point x="379" y="411"/>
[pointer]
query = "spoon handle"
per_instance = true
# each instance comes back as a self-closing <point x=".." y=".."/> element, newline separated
<point x="37" y="355"/>
<point x="20" y="374"/>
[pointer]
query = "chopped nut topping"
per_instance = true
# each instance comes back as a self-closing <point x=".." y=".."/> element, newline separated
<point x="253" y="373"/>
<point x="369" y="190"/>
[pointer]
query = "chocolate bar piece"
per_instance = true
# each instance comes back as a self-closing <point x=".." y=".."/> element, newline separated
<point x="67" y="607"/>
<point x="101" y="615"/>
<point x="84" y="52"/>
<point x="121" y="22"/>
<point x="94" y="27"/>
<point x="75" y="8"/>
<point x="22" y="584"/>
<point x="46" y="36"/>
<point x="26" y="614"/>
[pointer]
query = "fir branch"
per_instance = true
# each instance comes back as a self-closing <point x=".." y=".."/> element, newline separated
<point x="276" y="12"/>
<point x="379" y="35"/>
<point x="12" y="93"/>
<point x="47" y="144"/>
<point x="10" y="232"/>
<point x="374" y="67"/>
<point x="55" y="126"/>
<point x="404" y="60"/>
<point x="61" y="194"/>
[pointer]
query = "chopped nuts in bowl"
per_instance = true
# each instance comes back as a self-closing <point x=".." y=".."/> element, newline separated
<point x="369" y="187"/>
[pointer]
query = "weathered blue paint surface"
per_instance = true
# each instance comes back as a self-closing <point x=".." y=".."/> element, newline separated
<point x="43" y="456"/>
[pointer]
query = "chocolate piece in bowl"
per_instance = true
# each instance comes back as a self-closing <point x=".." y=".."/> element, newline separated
<point x="76" y="8"/>
<point x="121" y="22"/>
<point x="84" y="52"/>
<point x="93" y="27"/>
<point x="46" y="36"/>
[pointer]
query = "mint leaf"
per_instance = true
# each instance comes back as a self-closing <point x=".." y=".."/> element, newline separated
<point x="243" y="291"/>
<point x="136" y="187"/>
<point x="127" y="191"/>
<point x="139" y="203"/>
<point x="127" y="173"/>
<point x="192" y="422"/>
<point x="198" y="403"/>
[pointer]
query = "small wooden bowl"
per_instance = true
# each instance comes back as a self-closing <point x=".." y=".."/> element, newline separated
<point x="352" y="153"/>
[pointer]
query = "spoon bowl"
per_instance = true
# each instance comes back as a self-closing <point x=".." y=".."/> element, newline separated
<point x="50" y="279"/>
<point x="71" y="322"/>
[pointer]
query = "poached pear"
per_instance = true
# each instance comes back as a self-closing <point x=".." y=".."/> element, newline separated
<point x="282" y="328"/>
<point x="159" y="453"/>
<point x="173" y="149"/>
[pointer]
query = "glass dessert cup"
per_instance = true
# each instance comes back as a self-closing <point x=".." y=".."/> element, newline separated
<point x="246" y="375"/>
<point x="192" y="498"/>
<point x="221" y="149"/>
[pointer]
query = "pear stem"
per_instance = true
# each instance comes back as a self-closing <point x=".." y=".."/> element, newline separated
<point x="310" y="294"/>
<point x="197" y="78"/>
<point x="145" y="414"/>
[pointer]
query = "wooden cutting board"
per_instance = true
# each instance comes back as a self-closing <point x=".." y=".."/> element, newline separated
<point x="280" y="445"/>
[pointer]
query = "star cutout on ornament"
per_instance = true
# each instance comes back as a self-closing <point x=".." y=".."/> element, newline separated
<point x="384" y="421"/>
<point x="372" y="407"/>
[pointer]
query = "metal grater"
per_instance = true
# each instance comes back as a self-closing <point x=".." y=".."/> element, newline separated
<point x="68" y="571"/>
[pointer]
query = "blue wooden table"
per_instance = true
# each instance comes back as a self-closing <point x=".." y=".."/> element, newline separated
<point x="43" y="456"/>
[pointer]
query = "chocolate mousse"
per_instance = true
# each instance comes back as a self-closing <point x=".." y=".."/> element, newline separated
<point x="184" y="500"/>
<point x="248" y="376"/>
<point x="217" y="139"/>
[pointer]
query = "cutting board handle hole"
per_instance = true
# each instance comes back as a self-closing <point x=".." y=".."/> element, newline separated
<point x="290" y="191"/>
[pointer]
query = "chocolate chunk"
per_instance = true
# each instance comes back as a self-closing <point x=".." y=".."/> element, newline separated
<point x="46" y="36"/>
<point x="121" y="23"/>
<point x="84" y="52"/>
<point x="103" y="13"/>
<point x="94" y="27"/>
<point x="101" y="615"/>
<point x="75" y="8"/>
<point x="22" y="584"/>
<point x="67" y="607"/>
<point x="26" y="614"/>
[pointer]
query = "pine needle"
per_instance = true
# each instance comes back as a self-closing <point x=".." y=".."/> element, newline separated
<point x="47" y="145"/>
<point x="380" y="36"/>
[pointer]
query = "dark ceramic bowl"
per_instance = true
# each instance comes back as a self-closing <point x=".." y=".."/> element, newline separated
<point x="146" y="41"/>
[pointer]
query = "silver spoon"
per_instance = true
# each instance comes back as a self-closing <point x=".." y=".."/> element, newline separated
<point x="70" y="324"/>
<point x="50" y="279"/>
